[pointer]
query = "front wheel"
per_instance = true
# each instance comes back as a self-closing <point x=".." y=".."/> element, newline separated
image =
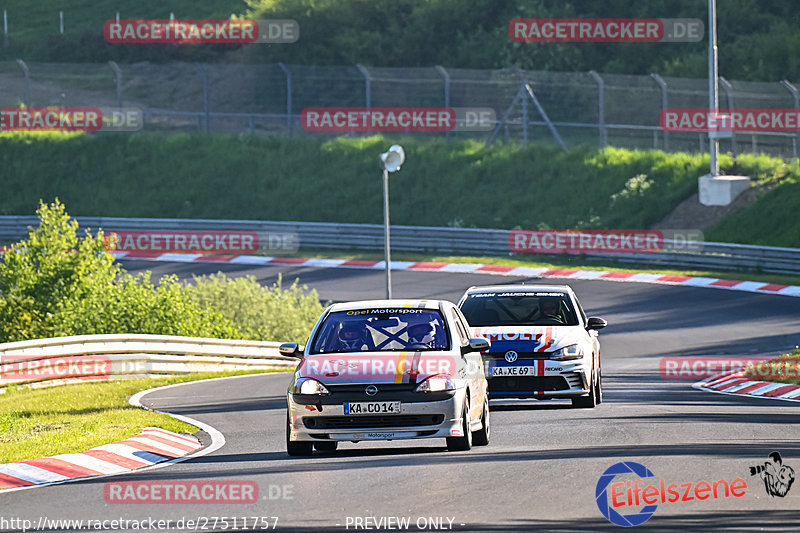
<point x="590" y="400"/>
<point x="598" y="389"/>
<point x="295" y="448"/>
<point x="463" y="443"/>
<point x="481" y="437"/>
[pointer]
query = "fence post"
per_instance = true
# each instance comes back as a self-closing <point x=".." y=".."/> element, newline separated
<point x="61" y="22"/>
<point x="5" y="28"/>
<point x="664" y="104"/>
<point x="441" y="70"/>
<point x="288" y="75"/>
<point x="796" y="97"/>
<point x="26" y="71"/>
<point x="118" y="74"/>
<point x="601" y="118"/>
<point x="729" y="96"/>
<point x="206" y="105"/>
<point x="367" y="85"/>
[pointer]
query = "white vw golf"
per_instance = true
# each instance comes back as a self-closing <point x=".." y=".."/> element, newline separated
<point x="386" y="370"/>
<point x="542" y="344"/>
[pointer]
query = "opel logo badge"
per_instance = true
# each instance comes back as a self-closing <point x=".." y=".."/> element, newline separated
<point x="372" y="390"/>
<point x="511" y="356"/>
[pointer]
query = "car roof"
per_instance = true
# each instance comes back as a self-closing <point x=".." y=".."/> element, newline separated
<point x="384" y="304"/>
<point x="566" y="289"/>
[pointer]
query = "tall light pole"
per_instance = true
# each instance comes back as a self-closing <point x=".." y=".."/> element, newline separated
<point x="390" y="162"/>
<point x="713" y="83"/>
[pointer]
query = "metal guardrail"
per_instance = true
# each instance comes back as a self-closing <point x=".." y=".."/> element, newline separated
<point x="468" y="241"/>
<point x="105" y="357"/>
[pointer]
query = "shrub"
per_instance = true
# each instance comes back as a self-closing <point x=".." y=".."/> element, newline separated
<point x="265" y="313"/>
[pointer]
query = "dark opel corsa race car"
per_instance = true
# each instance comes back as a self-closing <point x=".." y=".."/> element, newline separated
<point x="542" y="344"/>
<point x="387" y="370"/>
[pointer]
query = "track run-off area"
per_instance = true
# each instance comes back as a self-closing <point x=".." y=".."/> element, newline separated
<point x="541" y="469"/>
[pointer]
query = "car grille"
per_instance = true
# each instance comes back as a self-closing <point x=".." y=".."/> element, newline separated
<point x="528" y="383"/>
<point x="500" y="356"/>
<point x="369" y="421"/>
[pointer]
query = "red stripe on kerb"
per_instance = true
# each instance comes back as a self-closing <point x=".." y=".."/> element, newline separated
<point x="773" y="287"/>
<point x="116" y="459"/>
<point x="560" y="273"/>
<point x="62" y="467"/>
<point x="427" y="265"/>
<point x="752" y="387"/>
<point x="495" y="268"/>
<point x="10" y="482"/>
<point x="618" y="275"/>
<point x="781" y="390"/>
<point x="213" y="258"/>
<point x="162" y="440"/>
<point x="732" y="384"/>
<point x="149" y="448"/>
<point x="674" y="279"/>
<point x="360" y="263"/>
<point x="725" y="283"/>
<point x="289" y="260"/>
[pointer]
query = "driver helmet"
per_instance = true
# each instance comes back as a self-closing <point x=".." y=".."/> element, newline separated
<point x="421" y="330"/>
<point x="352" y="335"/>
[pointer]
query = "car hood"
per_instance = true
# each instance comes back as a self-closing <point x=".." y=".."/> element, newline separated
<point x="529" y="338"/>
<point x="377" y="367"/>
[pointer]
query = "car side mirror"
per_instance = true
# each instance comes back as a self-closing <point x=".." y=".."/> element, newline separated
<point x="596" y="323"/>
<point x="476" y="344"/>
<point x="291" y="349"/>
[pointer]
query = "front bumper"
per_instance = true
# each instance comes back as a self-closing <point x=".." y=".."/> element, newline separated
<point x="548" y="379"/>
<point x="326" y="420"/>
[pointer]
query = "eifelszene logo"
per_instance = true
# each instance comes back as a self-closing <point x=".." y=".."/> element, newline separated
<point x="632" y="493"/>
<point x="778" y="477"/>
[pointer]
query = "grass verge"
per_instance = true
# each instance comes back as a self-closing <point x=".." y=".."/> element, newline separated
<point x="73" y="418"/>
<point x="784" y="369"/>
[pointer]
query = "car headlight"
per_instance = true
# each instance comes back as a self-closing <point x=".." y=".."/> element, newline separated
<point x="309" y="386"/>
<point x="573" y="351"/>
<point x="437" y="383"/>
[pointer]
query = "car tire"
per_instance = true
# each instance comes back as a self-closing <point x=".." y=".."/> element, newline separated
<point x="326" y="446"/>
<point x="463" y="443"/>
<point x="481" y="437"/>
<point x="589" y="399"/>
<point x="295" y="448"/>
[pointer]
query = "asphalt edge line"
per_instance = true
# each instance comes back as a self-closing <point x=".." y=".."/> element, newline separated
<point x="217" y="438"/>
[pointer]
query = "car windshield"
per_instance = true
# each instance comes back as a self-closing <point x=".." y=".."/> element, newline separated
<point x="519" y="309"/>
<point x="384" y="329"/>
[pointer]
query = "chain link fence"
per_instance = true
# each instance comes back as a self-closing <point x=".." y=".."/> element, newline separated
<point x="576" y="108"/>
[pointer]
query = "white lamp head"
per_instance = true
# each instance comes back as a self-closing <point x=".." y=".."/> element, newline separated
<point x="393" y="158"/>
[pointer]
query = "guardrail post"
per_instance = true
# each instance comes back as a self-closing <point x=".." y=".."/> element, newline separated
<point x="664" y="104"/>
<point x="441" y="70"/>
<point x="367" y="86"/>
<point x="729" y="96"/>
<point x="288" y="75"/>
<point x="796" y="97"/>
<point x="206" y="105"/>
<point x="5" y="28"/>
<point x="601" y="118"/>
<point x="118" y="74"/>
<point x="26" y="71"/>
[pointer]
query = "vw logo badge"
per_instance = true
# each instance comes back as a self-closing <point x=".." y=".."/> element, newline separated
<point x="511" y="356"/>
<point x="372" y="390"/>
